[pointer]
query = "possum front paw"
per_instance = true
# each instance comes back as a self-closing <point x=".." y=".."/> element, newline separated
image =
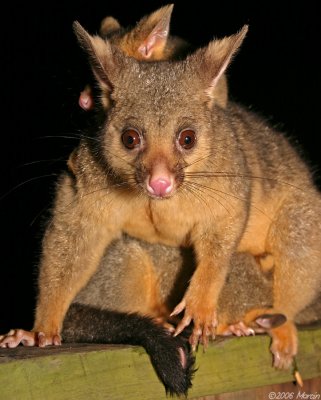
<point x="203" y="316"/>
<point x="28" y="338"/>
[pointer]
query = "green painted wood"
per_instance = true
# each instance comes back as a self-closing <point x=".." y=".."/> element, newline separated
<point x="94" y="372"/>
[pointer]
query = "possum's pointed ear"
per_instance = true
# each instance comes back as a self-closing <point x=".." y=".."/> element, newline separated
<point x="216" y="57"/>
<point x="100" y="55"/>
<point x="151" y="33"/>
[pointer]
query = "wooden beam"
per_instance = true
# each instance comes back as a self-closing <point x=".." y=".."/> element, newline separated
<point x="86" y="372"/>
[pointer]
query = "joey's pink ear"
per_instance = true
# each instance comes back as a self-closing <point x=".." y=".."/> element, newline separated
<point x="153" y="31"/>
<point x="216" y="57"/>
<point x="100" y="54"/>
<point x="269" y="321"/>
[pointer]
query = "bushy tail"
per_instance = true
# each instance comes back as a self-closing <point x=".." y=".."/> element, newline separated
<point x="171" y="356"/>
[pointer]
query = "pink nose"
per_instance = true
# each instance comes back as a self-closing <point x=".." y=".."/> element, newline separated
<point x="160" y="187"/>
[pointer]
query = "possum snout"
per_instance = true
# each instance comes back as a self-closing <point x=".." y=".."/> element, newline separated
<point x="160" y="182"/>
<point x="160" y="187"/>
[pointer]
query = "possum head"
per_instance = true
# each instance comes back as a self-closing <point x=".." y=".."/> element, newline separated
<point x="160" y="125"/>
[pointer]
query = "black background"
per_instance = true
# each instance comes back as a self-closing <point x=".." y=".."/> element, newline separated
<point x="277" y="73"/>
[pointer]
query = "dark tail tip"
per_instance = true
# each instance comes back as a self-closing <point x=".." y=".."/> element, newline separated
<point x="173" y="362"/>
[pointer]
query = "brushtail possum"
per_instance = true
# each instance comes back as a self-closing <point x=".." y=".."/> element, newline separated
<point x="169" y="165"/>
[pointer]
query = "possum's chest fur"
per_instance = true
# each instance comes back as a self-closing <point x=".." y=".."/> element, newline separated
<point x="160" y="221"/>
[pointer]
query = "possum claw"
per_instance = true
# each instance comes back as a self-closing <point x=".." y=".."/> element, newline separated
<point x="179" y="308"/>
<point x="182" y="325"/>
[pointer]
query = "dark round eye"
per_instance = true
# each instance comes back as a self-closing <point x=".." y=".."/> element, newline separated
<point x="130" y="138"/>
<point x="187" y="139"/>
